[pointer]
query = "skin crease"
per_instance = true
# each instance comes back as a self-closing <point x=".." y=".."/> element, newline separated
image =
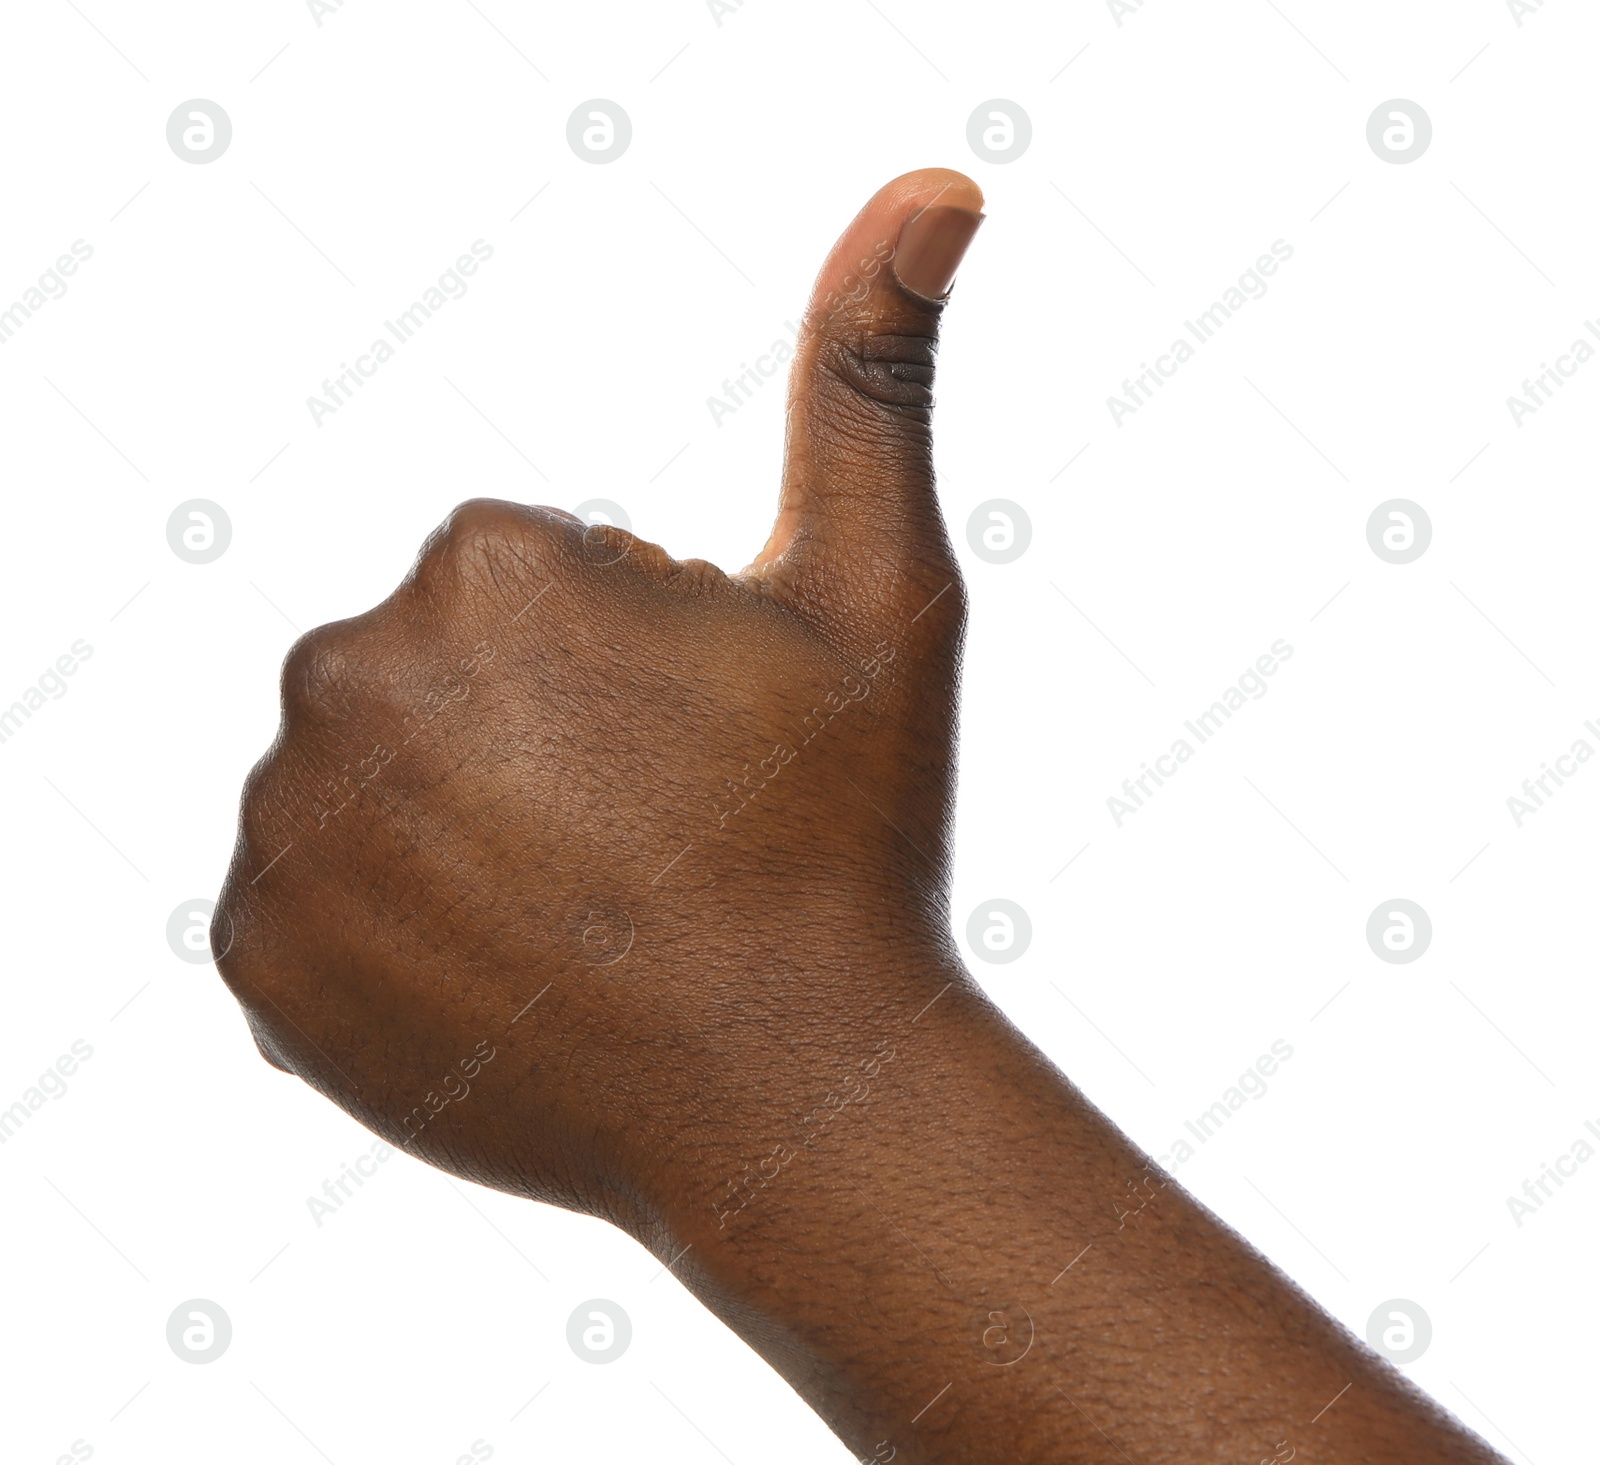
<point x="615" y="882"/>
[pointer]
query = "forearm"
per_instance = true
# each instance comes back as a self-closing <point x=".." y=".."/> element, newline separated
<point x="939" y="1269"/>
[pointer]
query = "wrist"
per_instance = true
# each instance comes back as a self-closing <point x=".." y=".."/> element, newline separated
<point x="857" y="1212"/>
<point x="799" y="1107"/>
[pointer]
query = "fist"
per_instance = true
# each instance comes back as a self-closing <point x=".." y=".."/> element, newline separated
<point x="571" y="861"/>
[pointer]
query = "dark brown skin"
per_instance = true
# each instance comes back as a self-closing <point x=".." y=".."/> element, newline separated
<point x="619" y="883"/>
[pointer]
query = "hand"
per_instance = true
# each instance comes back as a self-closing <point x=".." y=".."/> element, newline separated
<point x="617" y="882"/>
<point x="571" y="856"/>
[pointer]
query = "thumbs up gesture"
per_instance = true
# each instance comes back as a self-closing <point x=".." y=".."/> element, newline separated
<point x="622" y="883"/>
<point x="573" y="863"/>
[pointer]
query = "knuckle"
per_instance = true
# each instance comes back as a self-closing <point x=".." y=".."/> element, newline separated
<point x="260" y="813"/>
<point x="272" y="812"/>
<point x="475" y="520"/>
<point x="268" y="1050"/>
<point x="230" y="954"/>
<point x="244" y="972"/>
<point x="606" y="544"/>
<point x="696" y="576"/>
<point x="477" y="527"/>
<point x="318" y="671"/>
<point x="224" y="925"/>
<point x="256" y="785"/>
<point x="483" y="539"/>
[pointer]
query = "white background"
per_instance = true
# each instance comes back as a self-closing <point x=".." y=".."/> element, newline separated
<point x="1228" y="513"/>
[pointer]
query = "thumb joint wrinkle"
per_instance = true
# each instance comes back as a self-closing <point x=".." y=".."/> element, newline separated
<point x="894" y="371"/>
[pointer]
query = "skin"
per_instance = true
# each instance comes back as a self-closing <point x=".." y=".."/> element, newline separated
<point x="622" y="884"/>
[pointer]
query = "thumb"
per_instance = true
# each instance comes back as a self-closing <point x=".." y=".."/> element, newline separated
<point x="858" y="510"/>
